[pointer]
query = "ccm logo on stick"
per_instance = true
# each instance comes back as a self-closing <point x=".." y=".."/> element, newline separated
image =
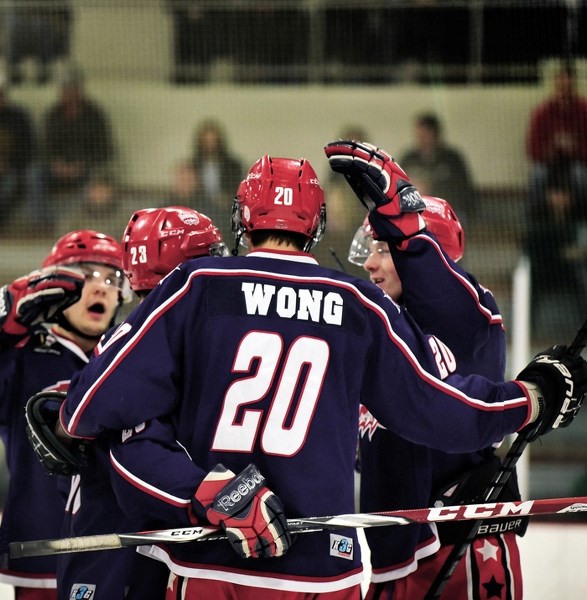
<point x="481" y="511"/>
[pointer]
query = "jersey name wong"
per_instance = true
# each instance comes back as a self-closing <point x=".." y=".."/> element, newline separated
<point x="293" y="303"/>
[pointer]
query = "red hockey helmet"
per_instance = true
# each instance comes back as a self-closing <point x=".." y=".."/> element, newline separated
<point x="85" y="245"/>
<point x="280" y="193"/>
<point x="442" y="221"/>
<point x="156" y="240"/>
<point x="89" y="246"/>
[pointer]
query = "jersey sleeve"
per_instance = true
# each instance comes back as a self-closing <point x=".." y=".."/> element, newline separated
<point x="169" y="357"/>
<point x="446" y="300"/>
<point x="153" y="475"/>
<point x="422" y="399"/>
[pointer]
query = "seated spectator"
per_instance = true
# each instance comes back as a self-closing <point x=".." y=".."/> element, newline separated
<point x="557" y="259"/>
<point x="220" y="173"/>
<point x="444" y="168"/>
<point x="16" y="152"/>
<point x="99" y="205"/>
<point x="557" y="132"/>
<point x="77" y="140"/>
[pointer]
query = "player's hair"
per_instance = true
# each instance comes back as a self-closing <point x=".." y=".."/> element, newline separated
<point x="282" y="238"/>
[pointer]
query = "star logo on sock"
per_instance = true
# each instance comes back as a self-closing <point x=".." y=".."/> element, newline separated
<point x="488" y="551"/>
<point x="493" y="588"/>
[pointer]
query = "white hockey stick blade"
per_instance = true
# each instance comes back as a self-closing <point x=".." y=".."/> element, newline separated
<point x="442" y="514"/>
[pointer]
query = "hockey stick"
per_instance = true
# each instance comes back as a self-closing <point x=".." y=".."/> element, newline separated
<point x="495" y="488"/>
<point x="336" y="259"/>
<point x="461" y="512"/>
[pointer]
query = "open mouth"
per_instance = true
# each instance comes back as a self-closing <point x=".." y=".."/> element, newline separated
<point x="97" y="308"/>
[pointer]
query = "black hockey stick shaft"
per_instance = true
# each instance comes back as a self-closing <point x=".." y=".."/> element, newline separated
<point x="493" y="491"/>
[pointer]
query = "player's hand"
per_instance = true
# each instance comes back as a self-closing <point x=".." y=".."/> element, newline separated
<point x="562" y="384"/>
<point x="38" y="297"/>
<point x="394" y="204"/>
<point x="247" y="510"/>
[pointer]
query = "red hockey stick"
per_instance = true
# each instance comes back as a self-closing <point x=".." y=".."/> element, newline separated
<point x="462" y="512"/>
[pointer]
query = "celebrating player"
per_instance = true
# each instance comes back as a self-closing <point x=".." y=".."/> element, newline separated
<point x="260" y="362"/>
<point x="155" y="241"/>
<point x="78" y="291"/>
<point x="448" y="302"/>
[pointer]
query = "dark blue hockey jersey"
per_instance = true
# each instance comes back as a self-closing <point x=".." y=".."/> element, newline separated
<point x="265" y="359"/>
<point x="93" y="508"/>
<point x="397" y="474"/>
<point x="35" y="501"/>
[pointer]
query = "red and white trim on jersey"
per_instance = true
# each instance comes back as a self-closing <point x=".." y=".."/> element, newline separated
<point x="72" y="424"/>
<point x="429" y="548"/>
<point x="268" y="581"/>
<point x="147" y="488"/>
<point x="494" y="319"/>
<point x="28" y="580"/>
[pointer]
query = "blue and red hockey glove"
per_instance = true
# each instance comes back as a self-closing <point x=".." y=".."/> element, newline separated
<point x="394" y="204"/>
<point x="251" y="515"/>
<point x="38" y="297"/>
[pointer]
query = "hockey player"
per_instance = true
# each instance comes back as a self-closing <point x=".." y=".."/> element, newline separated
<point x="155" y="241"/>
<point x="50" y="321"/>
<point x="260" y="362"/>
<point x="423" y="276"/>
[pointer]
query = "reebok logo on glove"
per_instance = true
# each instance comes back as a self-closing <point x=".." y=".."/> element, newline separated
<point x="250" y="482"/>
<point x="251" y="515"/>
<point x="410" y="200"/>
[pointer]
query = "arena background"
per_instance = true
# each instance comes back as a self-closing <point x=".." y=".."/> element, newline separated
<point x="285" y="78"/>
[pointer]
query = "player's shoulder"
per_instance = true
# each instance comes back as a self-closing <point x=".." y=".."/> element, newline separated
<point x="211" y="263"/>
<point x="301" y="269"/>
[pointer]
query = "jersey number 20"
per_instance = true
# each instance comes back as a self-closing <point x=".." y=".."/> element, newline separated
<point x="285" y="427"/>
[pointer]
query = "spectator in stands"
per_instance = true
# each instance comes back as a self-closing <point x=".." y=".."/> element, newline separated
<point x="98" y="205"/>
<point x="557" y="132"/>
<point x="556" y="257"/>
<point x="39" y="33"/>
<point x="442" y="168"/>
<point x="77" y="141"/>
<point x="16" y="152"/>
<point x="185" y="185"/>
<point x="220" y="173"/>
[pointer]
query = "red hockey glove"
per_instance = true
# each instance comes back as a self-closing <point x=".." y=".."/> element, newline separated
<point x="247" y="510"/>
<point x="562" y="384"/>
<point x="38" y="297"/>
<point x="394" y="204"/>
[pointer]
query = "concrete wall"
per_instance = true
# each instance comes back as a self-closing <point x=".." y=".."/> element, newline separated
<point x="154" y="121"/>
